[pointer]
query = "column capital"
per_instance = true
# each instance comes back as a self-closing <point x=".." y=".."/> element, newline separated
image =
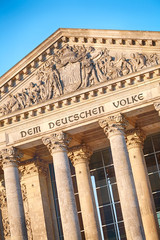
<point x="56" y="142"/>
<point x="79" y="154"/>
<point x="32" y="167"/>
<point x="135" y="138"/>
<point x="10" y="156"/>
<point x="157" y="107"/>
<point x="113" y="125"/>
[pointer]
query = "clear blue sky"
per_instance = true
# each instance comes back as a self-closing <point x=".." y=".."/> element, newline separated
<point x="24" y="24"/>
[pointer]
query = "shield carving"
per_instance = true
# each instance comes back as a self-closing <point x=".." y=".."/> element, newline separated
<point x="71" y="76"/>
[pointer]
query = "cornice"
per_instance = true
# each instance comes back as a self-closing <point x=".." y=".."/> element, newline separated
<point x="87" y="94"/>
<point x="82" y="36"/>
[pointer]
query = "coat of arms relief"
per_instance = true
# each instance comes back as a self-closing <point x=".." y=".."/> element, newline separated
<point x="76" y="67"/>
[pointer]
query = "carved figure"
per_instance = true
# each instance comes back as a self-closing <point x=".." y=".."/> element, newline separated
<point x="74" y="67"/>
<point x="88" y="72"/>
<point x="124" y="66"/>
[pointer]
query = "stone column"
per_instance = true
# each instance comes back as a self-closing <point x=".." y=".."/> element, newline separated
<point x="135" y="139"/>
<point x="114" y="128"/>
<point x="57" y="145"/>
<point x="79" y="157"/>
<point x="34" y="177"/>
<point x="16" y="217"/>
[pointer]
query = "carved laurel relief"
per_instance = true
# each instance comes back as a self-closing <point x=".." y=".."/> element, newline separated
<point x="26" y="209"/>
<point x="73" y="68"/>
<point x="4" y="212"/>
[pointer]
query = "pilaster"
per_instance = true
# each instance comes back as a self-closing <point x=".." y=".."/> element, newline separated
<point x="34" y="176"/>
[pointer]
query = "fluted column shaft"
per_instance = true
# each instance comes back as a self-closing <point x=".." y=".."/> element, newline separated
<point x="57" y="145"/>
<point x="135" y="140"/>
<point x="114" y="128"/>
<point x="16" y="216"/>
<point x="79" y="157"/>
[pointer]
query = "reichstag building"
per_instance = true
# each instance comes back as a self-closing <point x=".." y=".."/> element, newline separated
<point x="80" y="138"/>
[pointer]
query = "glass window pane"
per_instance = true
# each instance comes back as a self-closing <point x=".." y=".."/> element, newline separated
<point x="99" y="177"/>
<point x="77" y="202"/>
<point x="148" y="148"/>
<point x="96" y="161"/>
<point x="107" y="157"/>
<point x="158" y="216"/>
<point x="111" y="174"/>
<point x="106" y="215"/>
<point x="156" y="142"/>
<point x="103" y="197"/>
<point x="119" y="212"/>
<point x="75" y="184"/>
<point x="80" y="221"/>
<point x="115" y="192"/>
<point x="156" y="197"/>
<point x="155" y="181"/>
<point x="83" y="236"/>
<point x="72" y="168"/>
<point x="57" y="207"/>
<point x="54" y="189"/>
<point x="151" y="163"/>
<point x="109" y="232"/>
<point x="122" y="231"/>
<point x="60" y="227"/>
<point x="158" y="159"/>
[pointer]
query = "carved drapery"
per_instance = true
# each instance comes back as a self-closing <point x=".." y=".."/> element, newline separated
<point x="75" y="67"/>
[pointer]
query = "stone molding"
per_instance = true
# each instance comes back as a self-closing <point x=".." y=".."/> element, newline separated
<point x="105" y="88"/>
<point x="56" y="142"/>
<point x="113" y="125"/>
<point x="35" y="166"/>
<point x="80" y="154"/>
<point x="135" y="138"/>
<point x="10" y="156"/>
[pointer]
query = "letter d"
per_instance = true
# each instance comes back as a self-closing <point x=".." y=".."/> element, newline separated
<point x="51" y="125"/>
<point x="23" y="134"/>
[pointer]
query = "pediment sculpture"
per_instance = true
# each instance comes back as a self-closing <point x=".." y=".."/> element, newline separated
<point x="75" y="67"/>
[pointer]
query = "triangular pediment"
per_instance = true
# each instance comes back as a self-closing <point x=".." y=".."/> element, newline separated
<point x="74" y="60"/>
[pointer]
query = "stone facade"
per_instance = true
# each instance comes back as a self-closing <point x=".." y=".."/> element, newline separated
<point x="78" y="92"/>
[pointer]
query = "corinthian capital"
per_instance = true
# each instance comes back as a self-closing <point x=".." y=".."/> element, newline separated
<point x="10" y="156"/>
<point x="135" y="138"/>
<point x="56" y="142"/>
<point x="79" y="154"/>
<point x="157" y="107"/>
<point x="113" y="125"/>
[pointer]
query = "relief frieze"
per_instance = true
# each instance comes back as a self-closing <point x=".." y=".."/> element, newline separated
<point x="76" y="67"/>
